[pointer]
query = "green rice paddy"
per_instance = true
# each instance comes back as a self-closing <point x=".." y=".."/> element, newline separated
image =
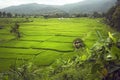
<point x="45" y="40"/>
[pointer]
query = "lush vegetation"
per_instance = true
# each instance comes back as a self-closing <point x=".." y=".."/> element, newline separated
<point x="113" y="16"/>
<point x="51" y="35"/>
<point x="45" y="51"/>
<point x="60" y="46"/>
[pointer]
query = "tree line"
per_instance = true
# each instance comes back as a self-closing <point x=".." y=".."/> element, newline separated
<point x="55" y="15"/>
<point x="5" y="14"/>
<point x="10" y="15"/>
<point x="77" y="15"/>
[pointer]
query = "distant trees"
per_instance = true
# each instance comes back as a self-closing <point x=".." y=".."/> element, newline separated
<point x="51" y="15"/>
<point x="80" y="15"/>
<point x="16" y="15"/>
<point x="46" y="16"/>
<point x="93" y="15"/>
<point x="0" y="14"/>
<point x="55" y="15"/>
<point x="96" y="15"/>
<point x="5" y="14"/>
<point x="113" y="16"/>
<point x="8" y="15"/>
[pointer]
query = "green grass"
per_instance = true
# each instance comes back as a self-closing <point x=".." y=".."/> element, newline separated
<point x="46" y="40"/>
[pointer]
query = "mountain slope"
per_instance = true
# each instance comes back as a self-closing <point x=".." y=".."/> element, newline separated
<point x="89" y="6"/>
<point x="32" y="9"/>
<point x="81" y="7"/>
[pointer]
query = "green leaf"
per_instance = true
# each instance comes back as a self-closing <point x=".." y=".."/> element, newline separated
<point x="111" y="36"/>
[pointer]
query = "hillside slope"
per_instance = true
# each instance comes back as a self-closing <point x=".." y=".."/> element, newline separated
<point x="80" y="7"/>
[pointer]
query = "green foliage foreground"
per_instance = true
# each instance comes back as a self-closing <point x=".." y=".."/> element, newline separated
<point x="102" y="64"/>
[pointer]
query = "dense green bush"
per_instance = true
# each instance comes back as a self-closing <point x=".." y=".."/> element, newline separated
<point x="113" y="16"/>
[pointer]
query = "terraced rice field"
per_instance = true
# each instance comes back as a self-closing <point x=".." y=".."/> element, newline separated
<point x="45" y="40"/>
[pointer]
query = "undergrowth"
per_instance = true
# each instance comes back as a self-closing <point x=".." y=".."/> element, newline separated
<point x="101" y="62"/>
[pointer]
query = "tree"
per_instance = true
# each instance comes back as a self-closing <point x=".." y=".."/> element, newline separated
<point x="23" y="15"/>
<point x="96" y="15"/>
<point x="0" y="14"/>
<point x="16" y="15"/>
<point x="113" y="16"/>
<point x="77" y="15"/>
<point x="118" y="2"/>
<point x="103" y="14"/>
<point x="46" y="16"/>
<point x="109" y="15"/>
<point x="80" y="15"/>
<point x="85" y="15"/>
<point x="4" y="14"/>
<point x="116" y="18"/>
<point x="9" y="15"/>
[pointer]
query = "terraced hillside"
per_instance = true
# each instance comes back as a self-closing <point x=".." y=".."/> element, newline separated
<point x="45" y="40"/>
